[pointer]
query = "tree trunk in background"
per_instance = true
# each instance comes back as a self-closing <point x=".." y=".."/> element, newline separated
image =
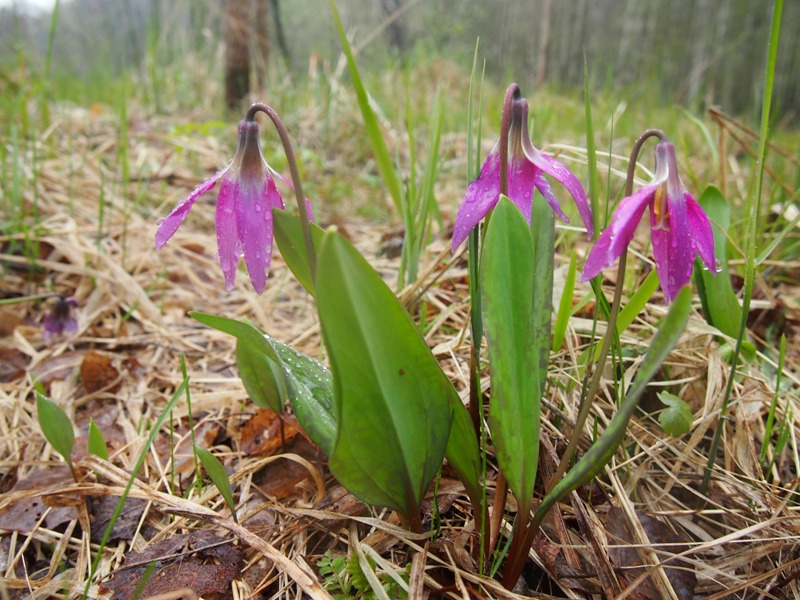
<point x="276" y="17"/>
<point x="396" y="29"/>
<point x="237" y="52"/>
<point x="262" y="44"/>
<point x="544" y="40"/>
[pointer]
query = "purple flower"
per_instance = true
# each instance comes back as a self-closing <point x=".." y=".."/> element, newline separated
<point x="247" y="196"/>
<point x="527" y="168"/>
<point x="60" y="319"/>
<point x="680" y="229"/>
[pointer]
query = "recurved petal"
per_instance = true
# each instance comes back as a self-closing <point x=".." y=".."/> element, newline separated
<point x="482" y="195"/>
<point x="168" y="227"/>
<point x="672" y="249"/>
<point x="541" y="183"/>
<point x="254" y="225"/>
<point x="228" y="246"/>
<point x="567" y="178"/>
<point x="288" y="182"/>
<point x="701" y="232"/>
<point x="619" y="233"/>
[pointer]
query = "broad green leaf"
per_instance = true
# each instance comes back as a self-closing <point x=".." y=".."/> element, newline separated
<point x="56" y="426"/>
<point x="393" y="406"/>
<point x="676" y="418"/>
<point x="720" y="305"/>
<point x="508" y="272"/>
<point x="310" y="394"/>
<point x="462" y="453"/>
<point x="382" y="157"/>
<point x="97" y="443"/>
<point x="219" y="476"/>
<point x="274" y="384"/>
<point x="604" y="448"/>
<point x="290" y="374"/>
<point x="289" y="237"/>
<point x="258" y="378"/>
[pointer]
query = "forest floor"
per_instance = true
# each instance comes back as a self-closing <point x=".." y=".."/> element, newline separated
<point x="641" y="531"/>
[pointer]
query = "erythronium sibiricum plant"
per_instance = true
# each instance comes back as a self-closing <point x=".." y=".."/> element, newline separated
<point x="679" y="228"/>
<point x="526" y="170"/>
<point x="247" y="197"/>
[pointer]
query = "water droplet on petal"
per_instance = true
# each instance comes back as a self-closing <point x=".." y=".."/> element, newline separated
<point x="718" y="265"/>
<point x="160" y="222"/>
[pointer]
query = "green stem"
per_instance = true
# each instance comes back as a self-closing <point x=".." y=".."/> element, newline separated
<point x="305" y="219"/>
<point x="594" y="384"/>
<point x="753" y="214"/>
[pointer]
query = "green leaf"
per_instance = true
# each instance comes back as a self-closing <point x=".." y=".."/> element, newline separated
<point x="56" y="426"/>
<point x="382" y="157"/>
<point x="256" y="370"/>
<point x="219" y="476"/>
<point x="565" y="305"/>
<point x="96" y="443"/>
<point x="393" y="402"/>
<point x="289" y="376"/>
<point x="720" y="305"/>
<point x="310" y="394"/>
<point x="289" y="237"/>
<point x="676" y="418"/>
<point x="514" y="306"/>
<point x="604" y="448"/>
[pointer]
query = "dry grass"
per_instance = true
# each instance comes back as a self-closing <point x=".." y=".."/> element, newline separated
<point x="740" y="541"/>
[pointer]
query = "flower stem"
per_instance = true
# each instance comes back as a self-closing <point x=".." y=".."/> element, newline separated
<point x="305" y="219"/>
<point x="594" y="384"/>
<point x="512" y="93"/>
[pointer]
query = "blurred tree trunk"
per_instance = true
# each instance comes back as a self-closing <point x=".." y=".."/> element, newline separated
<point x="262" y="44"/>
<point x="395" y="27"/>
<point x="276" y="17"/>
<point x="237" y="52"/>
<point x="544" y="40"/>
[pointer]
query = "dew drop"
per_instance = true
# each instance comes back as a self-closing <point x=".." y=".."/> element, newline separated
<point x="718" y="265"/>
<point x="160" y="222"/>
<point x="258" y="208"/>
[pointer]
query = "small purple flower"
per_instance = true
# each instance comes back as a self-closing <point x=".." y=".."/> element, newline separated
<point x="60" y="320"/>
<point x="527" y="168"/>
<point x="680" y="229"/>
<point x="247" y="196"/>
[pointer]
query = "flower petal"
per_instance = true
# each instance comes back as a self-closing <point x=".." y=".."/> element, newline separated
<point x="615" y="239"/>
<point x="168" y="227"/>
<point x="672" y="248"/>
<point x="481" y="197"/>
<point x="254" y="226"/>
<point x="565" y="177"/>
<point x="228" y="246"/>
<point x="309" y="208"/>
<point x="701" y="232"/>
<point x="522" y="177"/>
<point x="543" y="186"/>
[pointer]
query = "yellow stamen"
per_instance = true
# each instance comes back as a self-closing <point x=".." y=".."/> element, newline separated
<point x="660" y="209"/>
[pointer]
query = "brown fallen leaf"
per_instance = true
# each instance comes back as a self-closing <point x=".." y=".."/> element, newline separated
<point x="627" y="560"/>
<point x="262" y="432"/>
<point x="199" y="561"/>
<point x="97" y="372"/>
<point x="102" y="509"/>
<point x="22" y="514"/>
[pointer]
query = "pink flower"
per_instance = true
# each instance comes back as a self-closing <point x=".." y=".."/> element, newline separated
<point x="527" y="168"/>
<point x="247" y="196"/>
<point x="680" y="229"/>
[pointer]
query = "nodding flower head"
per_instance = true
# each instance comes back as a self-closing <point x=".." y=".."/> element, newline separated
<point x="60" y="320"/>
<point x="679" y="228"/>
<point x="247" y="197"/>
<point x="527" y="167"/>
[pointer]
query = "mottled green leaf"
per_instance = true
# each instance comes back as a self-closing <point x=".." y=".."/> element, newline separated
<point x="676" y="418"/>
<point x="392" y="399"/>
